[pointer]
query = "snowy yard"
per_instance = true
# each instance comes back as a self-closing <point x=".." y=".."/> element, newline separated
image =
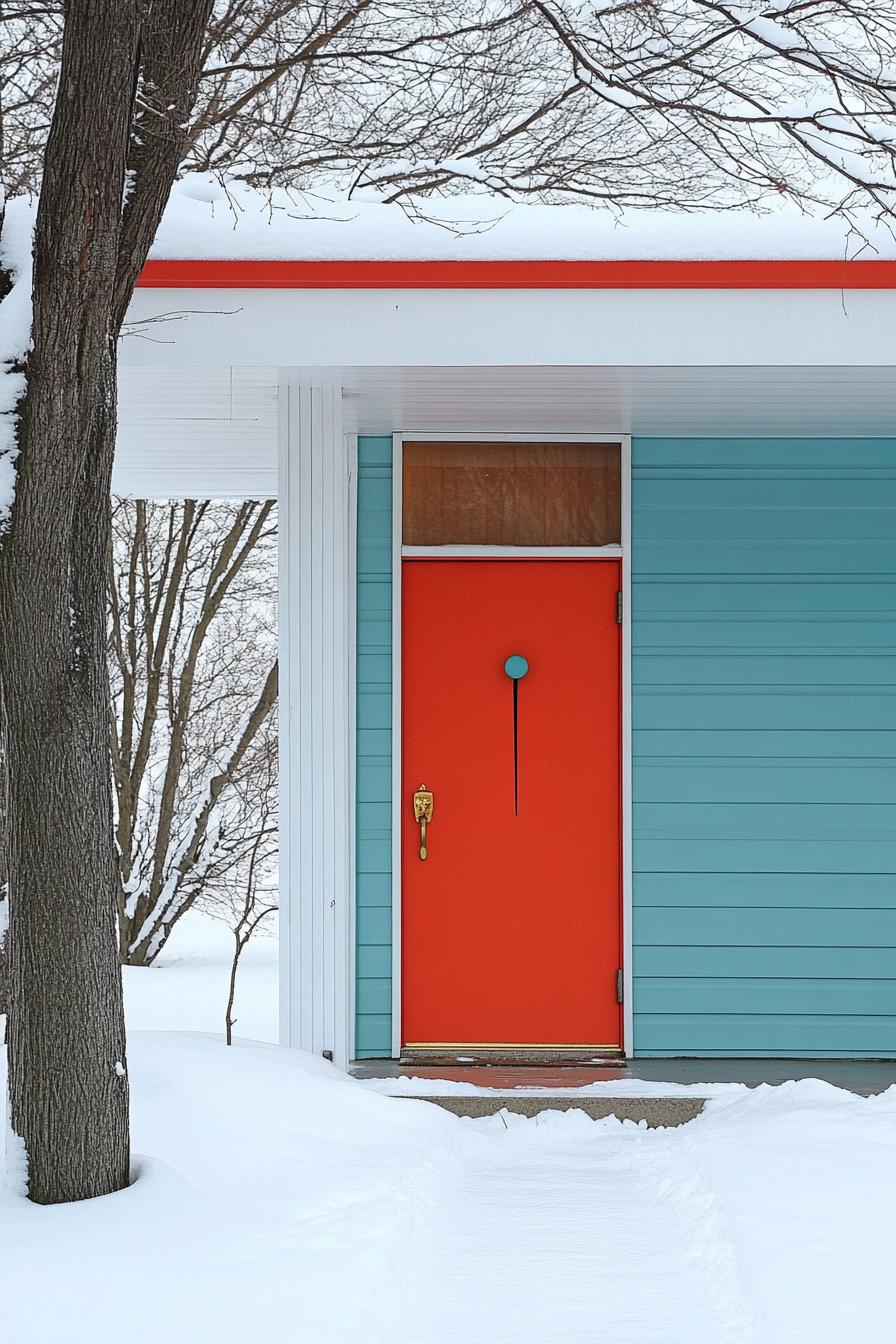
<point x="278" y="1200"/>
<point x="186" y="989"/>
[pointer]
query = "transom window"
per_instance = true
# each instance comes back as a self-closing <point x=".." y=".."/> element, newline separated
<point x="511" y="494"/>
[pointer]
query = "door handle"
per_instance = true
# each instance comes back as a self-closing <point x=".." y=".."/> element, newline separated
<point x="423" y="801"/>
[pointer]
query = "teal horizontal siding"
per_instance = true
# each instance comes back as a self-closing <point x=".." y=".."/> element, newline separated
<point x="764" y="739"/>
<point x="777" y="671"/>
<point x="763" y="821"/>
<point x="818" y="636"/>
<point x="774" y="1035"/>
<point x="825" y="595"/>
<point x="792" y="995"/>
<point x="669" y="853"/>
<point x="378" y="854"/>
<point x="374" y="708"/>
<point x="815" y="458"/>
<point x="374" y="889"/>
<point x="373" y="774"/>
<point x="379" y="962"/>
<point x="760" y="890"/>
<point x="759" y="926"/>
<point x="865" y="747"/>
<point x="787" y="782"/>
<point x="374" y="996"/>
<point x="765" y="558"/>
<point x="759" y="965"/>
<point x="746" y="708"/>
<point x="371" y="1030"/>
<point x="373" y="929"/>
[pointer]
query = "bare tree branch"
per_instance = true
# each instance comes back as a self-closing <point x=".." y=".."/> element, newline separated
<point x="684" y="104"/>
<point x="190" y="715"/>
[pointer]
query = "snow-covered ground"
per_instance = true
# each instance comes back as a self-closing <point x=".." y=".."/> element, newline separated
<point x="186" y="988"/>
<point x="278" y="1200"/>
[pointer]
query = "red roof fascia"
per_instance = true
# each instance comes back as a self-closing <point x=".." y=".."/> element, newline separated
<point x="436" y="274"/>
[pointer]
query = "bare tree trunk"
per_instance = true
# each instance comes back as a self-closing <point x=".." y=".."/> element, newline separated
<point x="67" y="1076"/>
<point x="238" y="946"/>
<point x="4" y="889"/>
<point x="248" y="921"/>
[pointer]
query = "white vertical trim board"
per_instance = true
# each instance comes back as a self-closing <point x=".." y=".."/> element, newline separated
<point x="626" y="688"/>
<point x="351" y="584"/>
<point x="397" y="460"/>
<point x="287" y="584"/>
<point x="316" y="623"/>
<point x="598" y="436"/>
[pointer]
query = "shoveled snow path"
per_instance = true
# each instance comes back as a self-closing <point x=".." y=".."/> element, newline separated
<point x="589" y="1233"/>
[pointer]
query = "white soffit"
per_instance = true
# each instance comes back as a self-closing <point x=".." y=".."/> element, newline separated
<point x="663" y="401"/>
<point x="213" y="430"/>
<point x="460" y="328"/>
<point x="186" y="432"/>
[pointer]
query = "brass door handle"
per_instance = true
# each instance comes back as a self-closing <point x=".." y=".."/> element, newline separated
<point x="423" y="801"/>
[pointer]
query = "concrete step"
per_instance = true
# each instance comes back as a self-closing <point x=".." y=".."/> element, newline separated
<point x="658" y="1112"/>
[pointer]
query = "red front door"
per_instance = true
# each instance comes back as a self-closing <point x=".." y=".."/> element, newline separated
<point x="511" y="924"/>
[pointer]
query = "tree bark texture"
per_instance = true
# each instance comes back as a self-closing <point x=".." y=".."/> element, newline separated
<point x="67" y="1075"/>
<point x="4" y="907"/>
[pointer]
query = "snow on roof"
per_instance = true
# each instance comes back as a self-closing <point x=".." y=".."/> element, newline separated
<point x="207" y="220"/>
<point x="212" y="221"/>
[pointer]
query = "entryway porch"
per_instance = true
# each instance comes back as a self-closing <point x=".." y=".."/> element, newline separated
<point x="726" y="392"/>
<point x="657" y="1092"/>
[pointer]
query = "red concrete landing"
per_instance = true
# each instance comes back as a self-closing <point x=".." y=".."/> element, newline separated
<point x="482" y="1075"/>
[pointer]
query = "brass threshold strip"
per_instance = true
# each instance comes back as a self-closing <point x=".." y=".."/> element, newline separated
<point x="501" y="1045"/>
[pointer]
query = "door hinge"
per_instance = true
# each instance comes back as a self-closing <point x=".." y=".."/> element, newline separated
<point x="620" y="986"/>
<point x="619" y="608"/>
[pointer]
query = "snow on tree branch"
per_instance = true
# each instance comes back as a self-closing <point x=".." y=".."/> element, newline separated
<point x="682" y="104"/>
<point x="796" y="97"/>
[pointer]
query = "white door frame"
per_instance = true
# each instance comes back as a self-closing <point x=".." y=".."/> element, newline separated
<point x="622" y="552"/>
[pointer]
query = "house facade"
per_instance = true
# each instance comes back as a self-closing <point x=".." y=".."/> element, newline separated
<point x="588" y="609"/>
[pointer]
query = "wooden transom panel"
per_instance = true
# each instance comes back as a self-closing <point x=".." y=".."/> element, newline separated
<point x="511" y="494"/>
